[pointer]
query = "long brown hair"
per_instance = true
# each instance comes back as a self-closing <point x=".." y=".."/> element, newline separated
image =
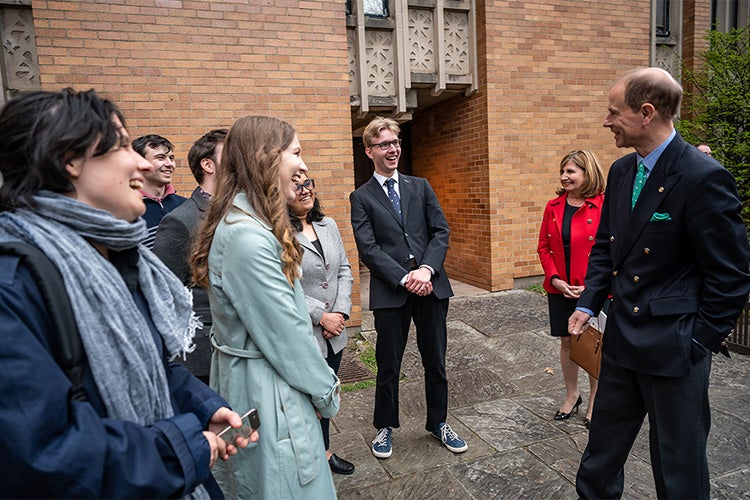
<point x="250" y="164"/>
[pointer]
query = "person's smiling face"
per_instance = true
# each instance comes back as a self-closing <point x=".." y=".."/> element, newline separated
<point x="385" y="160"/>
<point x="305" y="197"/>
<point x="291" y="168"/>
<point x="572" y="178"/>
<point x="625" y="124"/>
<point x="111" y="181"/>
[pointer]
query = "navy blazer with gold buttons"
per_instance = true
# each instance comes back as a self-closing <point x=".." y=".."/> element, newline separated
<point x="676" y="264"/>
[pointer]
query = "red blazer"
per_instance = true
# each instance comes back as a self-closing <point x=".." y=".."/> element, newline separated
<point x="582" y="235"/>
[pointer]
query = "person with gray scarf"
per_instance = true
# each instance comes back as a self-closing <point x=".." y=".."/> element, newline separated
<point x="146" y="427"/>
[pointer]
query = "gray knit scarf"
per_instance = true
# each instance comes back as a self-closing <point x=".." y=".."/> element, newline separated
<point x="125" y="364"/>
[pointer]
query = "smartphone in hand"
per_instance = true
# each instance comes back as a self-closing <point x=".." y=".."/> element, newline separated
<point x="250" y="423"/>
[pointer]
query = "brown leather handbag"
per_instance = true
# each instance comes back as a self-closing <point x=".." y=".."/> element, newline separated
<point x="586" y="350"/>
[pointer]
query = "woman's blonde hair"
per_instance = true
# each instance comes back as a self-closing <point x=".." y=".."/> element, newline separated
<point x="593" y="183"/>
<point x="250" y="164"/>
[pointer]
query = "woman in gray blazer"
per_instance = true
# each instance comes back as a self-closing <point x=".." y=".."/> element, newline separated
<point x="327" y="284"/>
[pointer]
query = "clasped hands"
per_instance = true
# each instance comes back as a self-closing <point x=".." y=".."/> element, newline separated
<point x="569" y="291"/>
<point x="419" y="281"/>
<point x="332" y="323"/>
<point x="220" y="448"/>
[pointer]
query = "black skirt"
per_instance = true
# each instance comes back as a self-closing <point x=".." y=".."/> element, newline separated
<point x="560" y="309"/>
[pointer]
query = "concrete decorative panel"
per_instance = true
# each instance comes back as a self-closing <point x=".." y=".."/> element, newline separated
<point x="457" y="41"/>
<point x="380" y="63"/>
<point x="19" y="49"/>
<point x="421" y="41"/>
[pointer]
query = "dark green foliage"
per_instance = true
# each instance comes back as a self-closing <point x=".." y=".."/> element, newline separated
<point x="719" y="104"/>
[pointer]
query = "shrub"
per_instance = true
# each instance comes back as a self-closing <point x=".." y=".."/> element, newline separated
<point x="718" y="106"/>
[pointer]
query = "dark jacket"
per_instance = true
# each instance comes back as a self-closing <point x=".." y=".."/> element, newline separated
<point x="385" y="242"/>
<point x="156" y="209"/>
<point x="52" y="446"/>
<point x="175" y="236"/>
<point x="677" y="266"/>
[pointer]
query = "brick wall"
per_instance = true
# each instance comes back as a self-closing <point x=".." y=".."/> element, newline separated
<point x="181" y="68"/>
<point x="546" y="69"/>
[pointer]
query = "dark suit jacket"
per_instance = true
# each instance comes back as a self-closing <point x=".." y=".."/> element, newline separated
<point x="677" y="266"/>
<point x="384" y="242"/>
<point x="174" y="238"/>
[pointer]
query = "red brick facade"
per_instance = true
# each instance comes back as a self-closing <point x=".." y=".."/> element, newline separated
<point x="180" y="68"/>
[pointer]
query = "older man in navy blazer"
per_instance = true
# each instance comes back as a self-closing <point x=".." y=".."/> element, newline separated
<point x="402" y="237"/>
<point x="672" y="251"/>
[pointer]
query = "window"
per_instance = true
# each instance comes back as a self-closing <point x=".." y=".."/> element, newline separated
<point x="729" y="14"/>
<point x="373" y="8"/>
<point x="662" y="18"/>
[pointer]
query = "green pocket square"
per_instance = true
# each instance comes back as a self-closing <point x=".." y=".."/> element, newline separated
<point x="659" y="217"/>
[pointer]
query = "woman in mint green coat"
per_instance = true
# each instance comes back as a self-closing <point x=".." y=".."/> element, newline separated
<point x="265" y="355"/>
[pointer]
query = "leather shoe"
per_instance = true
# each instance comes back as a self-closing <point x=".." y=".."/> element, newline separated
<point x="587" y="423"/>
<point x="339" y="465"/>
<point x="565" y="416"/>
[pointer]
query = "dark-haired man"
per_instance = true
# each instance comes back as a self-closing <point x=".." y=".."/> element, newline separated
<point x="158" y="193"/>
<point x="177" y="233"/>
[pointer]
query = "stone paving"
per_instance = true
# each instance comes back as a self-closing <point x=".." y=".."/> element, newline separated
<point x="505" y="386"/>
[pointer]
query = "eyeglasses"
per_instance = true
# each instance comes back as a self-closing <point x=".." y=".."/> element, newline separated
<point x="386" y="145"/>
<point x="309" y="184"/>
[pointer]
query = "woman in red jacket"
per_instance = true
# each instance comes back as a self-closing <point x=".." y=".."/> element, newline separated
<point x="565" y="240"/>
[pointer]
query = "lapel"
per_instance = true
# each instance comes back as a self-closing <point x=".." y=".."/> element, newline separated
<point x="321" y="229"/>
<point x="199" y="199"/>
<point x="660" y="182"/>
<point x="378" y="192"/>
<point x="558" y="210"/>
<point x="405" y="188"/>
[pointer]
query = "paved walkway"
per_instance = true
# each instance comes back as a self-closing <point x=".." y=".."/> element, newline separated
<point x="505" y="386"/>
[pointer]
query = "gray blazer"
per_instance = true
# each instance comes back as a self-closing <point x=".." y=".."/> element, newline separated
<point x="327" y="282"/>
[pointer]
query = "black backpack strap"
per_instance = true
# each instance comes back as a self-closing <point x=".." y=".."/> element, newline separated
<point x="65" y="341"/>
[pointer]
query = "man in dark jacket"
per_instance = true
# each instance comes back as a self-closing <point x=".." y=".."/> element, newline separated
<point x="177" y="232"/>
<point x="672" y="252"/>
<point x="158" y="193"/>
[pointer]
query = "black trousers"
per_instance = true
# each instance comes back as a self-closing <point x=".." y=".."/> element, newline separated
<point x="392" y="326"/>
<point x="679" y="421"/>
<point x="334" y="361"/>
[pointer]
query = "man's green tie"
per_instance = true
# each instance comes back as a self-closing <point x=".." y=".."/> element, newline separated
<point x="640" y="179"/>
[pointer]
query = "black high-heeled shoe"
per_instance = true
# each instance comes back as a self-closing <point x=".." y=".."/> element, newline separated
<point x="587" y="423"/>
<point x="564" y="416"/>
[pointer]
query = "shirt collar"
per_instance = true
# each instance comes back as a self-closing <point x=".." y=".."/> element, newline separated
<point x="382" y="178"/>
<point x="653" y="157"/>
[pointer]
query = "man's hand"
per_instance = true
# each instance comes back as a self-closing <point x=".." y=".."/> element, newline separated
<point x="418" y="281"/>
<point x="577" y="322"/>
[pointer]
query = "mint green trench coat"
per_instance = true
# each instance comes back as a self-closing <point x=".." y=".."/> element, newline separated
<point x="265" y="357"/>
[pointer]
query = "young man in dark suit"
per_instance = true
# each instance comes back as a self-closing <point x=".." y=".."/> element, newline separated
<point x="672" y="251"/>
<point x="177" y="232"/>
<point x="402" y="237"/>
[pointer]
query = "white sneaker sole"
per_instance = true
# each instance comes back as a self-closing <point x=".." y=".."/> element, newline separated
<point x="451" y="448"/>
<point x="381" y="454"/>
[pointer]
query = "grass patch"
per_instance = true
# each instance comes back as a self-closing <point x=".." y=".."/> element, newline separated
<point x="356" y="386"/>
<point x="537" y="289"/>
<point x="366" y="353"/>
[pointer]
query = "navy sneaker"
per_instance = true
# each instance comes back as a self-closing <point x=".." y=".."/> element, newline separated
<point x="449" y="438"/>
<point x="381" y="445"/>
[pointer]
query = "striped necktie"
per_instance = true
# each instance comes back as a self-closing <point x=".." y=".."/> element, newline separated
<point x="640" y="179"/>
